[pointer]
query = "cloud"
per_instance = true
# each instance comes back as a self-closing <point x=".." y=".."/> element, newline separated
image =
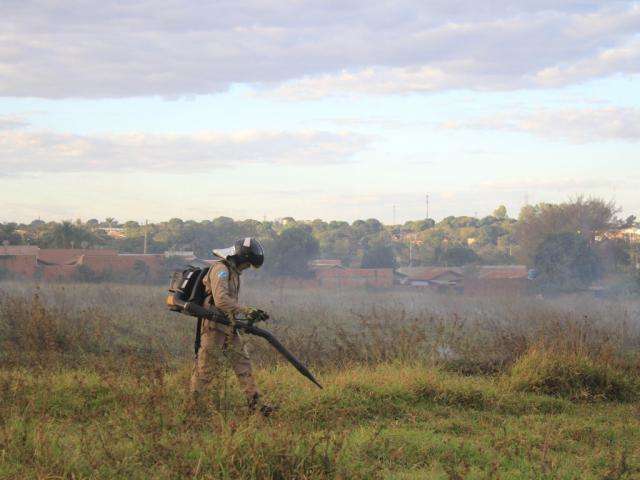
<point x="558" y="185"/>
<point x="574" y="125"/>
<point x="29" y="152"/>
<point x="12" y="122"/>
<point x="309" y="48"/>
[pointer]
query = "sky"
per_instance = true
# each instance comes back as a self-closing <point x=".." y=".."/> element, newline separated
<point x="342" y="110"/>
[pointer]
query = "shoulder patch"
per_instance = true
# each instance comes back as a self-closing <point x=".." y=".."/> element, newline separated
<point x="223" y="274"/>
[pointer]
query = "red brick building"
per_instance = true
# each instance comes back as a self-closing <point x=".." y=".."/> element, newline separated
<point x="507" y="280"/>
<point x="123" y="263"/>
<point x="20" y="265"/>
<point x="67" y="264"/>
<point x="338" y="277"/>
<point x="486" y="280"/>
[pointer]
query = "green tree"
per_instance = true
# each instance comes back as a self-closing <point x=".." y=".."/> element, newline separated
<point x="500" y="213"/>
<point x="67" y="235"/>
<point x="8" y="233"/>
<point x="584" y="217"/>
<point x="379" y="255"/>
<point x="565" y="261"/>
<point x="290" y="252"/>
<point x="456" y="255"/>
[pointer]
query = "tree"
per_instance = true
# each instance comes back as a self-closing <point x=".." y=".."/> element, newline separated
<point x="500" y="213"/>
<point x="67" y="235"/>
<point x="614" y="254"/>
<point x="629" y="222"/>
<point x="9" y="234"/>
<point x="584" y="217"/>
<point x="565" y="261"/>
<point x="456" y="256"/>
<point x="290" y="251"/>
<point x="419" y="225"/>
<point x="379" y="255"/>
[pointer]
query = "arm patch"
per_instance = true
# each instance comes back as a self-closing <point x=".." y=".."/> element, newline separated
<point x="223" y="274"/>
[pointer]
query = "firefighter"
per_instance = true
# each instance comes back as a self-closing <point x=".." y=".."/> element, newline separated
<point x="219" y="342"/>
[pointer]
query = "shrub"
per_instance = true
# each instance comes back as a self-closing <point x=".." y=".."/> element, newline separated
<point x="573" y="375"/>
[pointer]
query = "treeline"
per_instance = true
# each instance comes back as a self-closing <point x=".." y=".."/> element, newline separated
<point x="568" y="243"/>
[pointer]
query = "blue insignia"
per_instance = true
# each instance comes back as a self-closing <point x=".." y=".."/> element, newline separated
<point x="223" y="274"/>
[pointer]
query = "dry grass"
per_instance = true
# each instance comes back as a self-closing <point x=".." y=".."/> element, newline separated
<point x="326" y="329"/>
<point x="572" y="374"/>
<point x="93" y="379"/>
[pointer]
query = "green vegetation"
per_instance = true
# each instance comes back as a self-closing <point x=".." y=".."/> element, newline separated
<point x="553" y="237"/>
<point x="93" y="385"/>
<point x="573" y="375"/>
<point x="566" y="261"/>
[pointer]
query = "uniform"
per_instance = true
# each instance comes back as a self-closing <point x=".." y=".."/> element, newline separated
<point x="219" y="342"/>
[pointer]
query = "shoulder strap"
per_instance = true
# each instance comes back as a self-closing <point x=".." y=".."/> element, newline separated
<point x="198" y="296"/>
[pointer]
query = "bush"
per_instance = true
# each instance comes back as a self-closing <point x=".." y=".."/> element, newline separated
<point x="572" y="375"/>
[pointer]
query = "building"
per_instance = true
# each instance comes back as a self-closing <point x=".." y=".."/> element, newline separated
<point x="20" y="260"/>
<point x="438" y="278"/>
<point x="124" y="263"/>
<point x="185" y="255"/>
<point x="630" y="235"/>
<point x="491" y="280"/>
<point x="340" y="277"/>
<point x="20" y="265"/>
<point x="70" y="256"/>
<point x="53" y="264"/>
<point x="483" y="280"/>
<point x="115" y="232"/>
<point x="321" y="263"/>
<point x="9" y="250"/>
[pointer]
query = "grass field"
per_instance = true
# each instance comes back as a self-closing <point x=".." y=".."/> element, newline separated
<point x="93" y="380"/>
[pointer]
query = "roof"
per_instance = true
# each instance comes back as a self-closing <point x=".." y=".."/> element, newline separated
<point x="428" y="273"/>
<point x="354" y="272"/>
<point x="502" y="272"/>
<point x="485" y="272"/>
<point x="325" y="263"/>
<point x="19" y="250"/>
<point x="69" y="256"/>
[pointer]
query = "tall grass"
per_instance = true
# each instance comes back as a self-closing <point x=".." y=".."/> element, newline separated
<point x="325" y="329"/>
<point x="93" y="385"/>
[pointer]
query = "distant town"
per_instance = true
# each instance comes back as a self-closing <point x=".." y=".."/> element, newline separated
<point x="572" y="246"/>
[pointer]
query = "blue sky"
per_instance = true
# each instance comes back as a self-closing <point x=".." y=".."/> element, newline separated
<point x="251" y="110"/>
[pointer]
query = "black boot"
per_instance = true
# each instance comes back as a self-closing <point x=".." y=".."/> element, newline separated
<point x="255" y="404"/>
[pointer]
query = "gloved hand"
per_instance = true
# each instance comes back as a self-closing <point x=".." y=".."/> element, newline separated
<point x="256" y="315"/>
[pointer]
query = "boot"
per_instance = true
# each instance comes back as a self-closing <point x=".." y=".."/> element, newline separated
<point x="255" y="404"/>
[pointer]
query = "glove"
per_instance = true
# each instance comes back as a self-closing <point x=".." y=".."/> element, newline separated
<point x="256" y="315"/>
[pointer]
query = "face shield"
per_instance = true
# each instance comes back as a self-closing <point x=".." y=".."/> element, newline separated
<point x="246" y="250"/>
<point x="225" y="253"/>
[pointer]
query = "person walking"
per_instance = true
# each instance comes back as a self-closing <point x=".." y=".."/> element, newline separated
<point x="219" y="342"/>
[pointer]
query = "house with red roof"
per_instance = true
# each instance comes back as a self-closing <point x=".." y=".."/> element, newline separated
<point x="341" y="277"/>
<point x="470" y="280"/>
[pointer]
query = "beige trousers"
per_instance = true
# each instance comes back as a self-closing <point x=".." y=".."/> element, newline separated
<point x="219" y="344"/>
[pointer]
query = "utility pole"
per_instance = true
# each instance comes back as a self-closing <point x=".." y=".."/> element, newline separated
<point x="394" y="214"/>
<point x="410" y="253"/>
<point x="146" y="227"/>
<point x="427" y="205"/>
